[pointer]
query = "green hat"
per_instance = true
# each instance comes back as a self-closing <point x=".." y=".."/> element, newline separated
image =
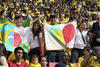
<point x="25" y="46"/>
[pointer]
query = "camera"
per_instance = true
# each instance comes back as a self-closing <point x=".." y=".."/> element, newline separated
<point x="91" y="51"/>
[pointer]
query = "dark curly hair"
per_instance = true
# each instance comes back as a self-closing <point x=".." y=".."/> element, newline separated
<point x="36" y="33"/>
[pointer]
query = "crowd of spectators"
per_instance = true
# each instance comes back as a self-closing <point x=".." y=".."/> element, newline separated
<point x="86" y="50"/>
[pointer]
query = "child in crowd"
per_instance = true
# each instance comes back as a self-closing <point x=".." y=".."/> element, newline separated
<point x="35" y="61"/>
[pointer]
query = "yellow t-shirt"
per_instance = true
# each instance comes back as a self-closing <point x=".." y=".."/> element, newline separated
<point x="93" y="62"/>
<point x="11" y="1"/>
<point x="98" y="4"/>
<point x="66" y="9"/>
<point x="0" y="37"/>
<point x="35" y="65"/>
<point x="62" y="21"/>
<point x="66" y="19"/>
<point x="53" y="1"/>
<point x="31" y="0"/>
<point x="39" y="1"/>
<point x="80" y="61"/>
<point x="72" y="65"/>
<point x="91" y="23"/>
<point x="6" y="8"/>
<point x="83" y="2"/>
<point x="17" y="4"/>
<point x="78" y="9"/>
<point x="46" y="22"/>
<point x="0" y="41"/>
<point x="35" y="3"/>
<point x="74" y="2"/>
<point x="94" y="12"/>
<point x="13" y="15"/>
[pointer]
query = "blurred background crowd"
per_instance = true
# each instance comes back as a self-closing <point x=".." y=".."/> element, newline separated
<point x="36" y="12"/>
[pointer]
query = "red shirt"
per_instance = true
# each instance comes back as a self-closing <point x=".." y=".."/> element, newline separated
<point x="13" y="64"/>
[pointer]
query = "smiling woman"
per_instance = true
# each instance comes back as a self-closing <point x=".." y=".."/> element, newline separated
<point x="36" y="40"/>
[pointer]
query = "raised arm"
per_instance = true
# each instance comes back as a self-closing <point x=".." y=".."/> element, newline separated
<point x="3" y="62"/>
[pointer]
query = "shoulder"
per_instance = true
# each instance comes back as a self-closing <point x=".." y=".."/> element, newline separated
<point x="27" y="28"/>
<point x="95" y="23"/>
<point x="24" y="63"/>
<point x="33" y="65"/>
<point x="85" y="32"/>
<point x="39" y="64"/>
<point x="19" y="28"/>
<point x="12" y="61"/>
<point x="77" y="29"/>
<point x="93" y="58"/>
<point x="73" y="65"/>
<point x="80" y="58"/>
<point x="22" y="27"/>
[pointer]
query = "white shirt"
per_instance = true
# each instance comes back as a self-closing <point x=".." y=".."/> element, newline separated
<point x="33" y="42"/>
<point x="21" y="32"/>
<point x="79" y="43"/>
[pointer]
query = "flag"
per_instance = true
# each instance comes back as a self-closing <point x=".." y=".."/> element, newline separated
<point x="61" y="36"/>
<point x="8" y="36"/>
<point x="1" y="27"/>
<point x="11" y="38"/>
<point x="2" y="22"/>
<point x="26" y="22"/>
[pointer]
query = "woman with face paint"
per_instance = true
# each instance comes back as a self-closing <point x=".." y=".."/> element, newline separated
<point x="92" y="60"/>
<point x="36" y="40"/>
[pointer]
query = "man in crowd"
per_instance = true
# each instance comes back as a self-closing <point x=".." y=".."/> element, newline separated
<point x="53" y="55"/>
<point x="19" y="52"/>
<point x="65" y="61"/>
<point x="80" y="42"/>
